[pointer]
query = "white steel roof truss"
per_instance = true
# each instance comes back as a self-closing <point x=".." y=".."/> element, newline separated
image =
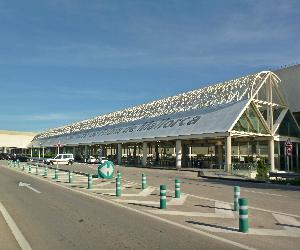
<point x="261" y="118"/>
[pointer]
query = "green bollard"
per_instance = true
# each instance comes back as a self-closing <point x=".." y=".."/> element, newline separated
<point x="236" y="198"/>
<point x="118" y="187"/>
<point x="90" y="181"/>
<point x="119" y="175"/>
<point x="29" y="169"/>
<point x="70" y="176"/>
<point x="46" y="171"/>
<point x="243" y="215"/>
<point x="163" y="198"/>
<point x="36" y="170"/>
<point x="177" y="188"/>
<point x="144" y="181"/>
<point x="56" y="174"/>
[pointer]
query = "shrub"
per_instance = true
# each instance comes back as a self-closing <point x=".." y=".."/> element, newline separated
<point x="262" y="171"/>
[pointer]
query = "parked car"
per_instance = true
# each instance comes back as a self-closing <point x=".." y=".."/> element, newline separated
<point x="61" y="159"/>
<point x="22" y="158"/>
<point x="4" y="156"/>
<point x="92" y="159"/>
<point x="102" y="159"/>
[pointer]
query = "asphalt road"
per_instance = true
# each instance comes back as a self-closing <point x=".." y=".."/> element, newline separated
<point x="280" y="198"/>
<point x="58" y="218"/>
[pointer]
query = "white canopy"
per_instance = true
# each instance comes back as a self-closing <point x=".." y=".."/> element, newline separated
<point x="209" y="120"/>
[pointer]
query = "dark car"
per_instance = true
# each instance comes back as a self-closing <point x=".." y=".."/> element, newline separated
<point x="22" y="158"/>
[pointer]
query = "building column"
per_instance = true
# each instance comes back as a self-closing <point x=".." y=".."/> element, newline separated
<point x="279" y="155"/>
<point x="190" y="156"/>
<point x="74" y="151"/>
<point x="119" y="152"/>
<point x="100" y="151"/>
<point x="220" y="154"/>
<point x="43" y="152"/>
<point x="31" y="152"/>
<point x="39" y="151"/>
<point x="228" y="154"/>
<point x="271" y="154"/>
<point x="156" y="156"/>
<point x="4" y="150"/>
<point x="85" y="152"/>
<point x="145" y="154"/>
<point x="178" y="150"/>
<point x="134" y="151"/>
<point x="297" y="155"/>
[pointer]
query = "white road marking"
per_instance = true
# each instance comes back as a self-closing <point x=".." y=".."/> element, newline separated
<point x="143" y="193"/>
<point x="23" y="243"/>
<point x="102" y="184"/>
<point x="290" y="225"/>
<point x="172" y="202"/>
<point x="139" y="202"/>
<point x="250" y="207"/>
<point x="27" y="185"/>
<point x="130" y="185"/>
<point x="178" y="201"/>
<point x="265" y="193"/>
<point x="221" y="211"/>
<point x="105" y="189"/>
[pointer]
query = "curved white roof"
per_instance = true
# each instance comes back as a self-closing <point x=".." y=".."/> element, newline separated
<point x="219" y="94"/>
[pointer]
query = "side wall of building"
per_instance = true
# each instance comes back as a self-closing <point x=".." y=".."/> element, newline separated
<point x="10" y="139"/>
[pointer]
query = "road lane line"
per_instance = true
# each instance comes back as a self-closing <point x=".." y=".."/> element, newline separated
<point x="23" y="243"/>
<point x="264" y="193"/>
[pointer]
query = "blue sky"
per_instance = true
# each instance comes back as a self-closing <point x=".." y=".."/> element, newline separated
<point x="66" y="60"/>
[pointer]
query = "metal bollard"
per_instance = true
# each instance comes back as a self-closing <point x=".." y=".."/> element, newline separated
<point x="243" y="215"/>
<point x="163" y="198"/>
<point x="144" y="181"/>
<point x="56" y="174"/>
<point x="119" y="175"/>
<point x="36" y="170"/>
<point x="236" y="198"/>
<point x="177" y="188"/>
<point x="118" y="187"/>
<point x="15" y="164"/>
<point x="29" y="169"/>
<point x="18" y="163"/>
<point x="46" y="171"/>
<point x="70" y="176"/>
<point x="90" y="181"/>
<point x="23" y="167"/>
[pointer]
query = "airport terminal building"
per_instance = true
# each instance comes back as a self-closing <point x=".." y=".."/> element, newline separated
<point x="228" y="125"/>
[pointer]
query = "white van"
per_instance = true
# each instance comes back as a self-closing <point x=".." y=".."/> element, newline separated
<point x="61" y="159"/>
